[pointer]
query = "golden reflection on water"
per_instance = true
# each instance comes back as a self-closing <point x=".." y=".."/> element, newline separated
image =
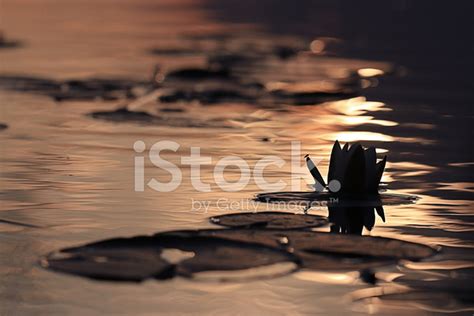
<point x="359" y="120"/>
<point x="73" y="176"/>
<point x="327" y="277"/>
<point x="317" y="46"/>
<point x="358" y="136"/>
<point x="357" y="106"/>
<point x="370" y="72"/>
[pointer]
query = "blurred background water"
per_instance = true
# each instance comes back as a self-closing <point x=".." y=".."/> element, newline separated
<point x="70" y="177"/>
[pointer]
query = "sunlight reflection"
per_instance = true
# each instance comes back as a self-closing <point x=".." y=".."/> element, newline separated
<point x="359" y="120"/>
<point x="358" y="136"/>
<point x="457" y="186"/>
<point x="358" y="106"/>
<point x="370" y="72"/>
<point x="440" y="265"/>
<point x="317" y="46"/>
<point x="326" y="277"/>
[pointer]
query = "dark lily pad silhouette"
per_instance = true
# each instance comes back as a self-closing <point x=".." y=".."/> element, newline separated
<point x="229" y="59"/>
<point x="175" y="51"/>
<point x="198" y="74"/>
<point x="142" y="257"/>
<point x="285" y="52"/>
<point x="269" y="220"/>
<point x="308" y="98"/>
<point x="29" y="84"/>
<point x="7" y="43"/>
<point x="86" y="89"/>
<point x="330" y="199"/>
<point x="309" y="93"/>
<point x="114" y="263"/>
<point x="207" y="96"/>
<point x="325" y="251"/>
<point x="123" y="115"/>
<point x="107" y="89"/>
<point x="172" y="110"/>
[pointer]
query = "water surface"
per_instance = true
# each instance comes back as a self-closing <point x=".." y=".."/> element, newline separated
<point x="69" y="177"/>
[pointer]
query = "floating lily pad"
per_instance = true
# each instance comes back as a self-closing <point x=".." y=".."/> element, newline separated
<point x="198" y="74"/>
<point x="7" y="43"/>
<point x="310" y="92"/>
<point x="86" y="89"/>
<point x="187" y="253"/>
<point x="217" y="254"/>
<point x="175" y="51"/>
<point x="331" y="199"/>
<point x="208" y="96"/>
<point x="325" y="251"/>
<point x="116" y="264"/>
<point x="143" y="257"/>
<point x="229" y="59"/>
<point x="123" y="115"/>
<point x="269" y="220"/>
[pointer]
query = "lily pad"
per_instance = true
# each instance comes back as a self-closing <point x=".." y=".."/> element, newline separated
<point x="174" y="51"/>
<point x="330" y="199"/>
<point x="7" y="43"/>
<point x="208" y="96"/>
<point x="85" y="89"/>
<point x="115" y="264"/>
<point x="325" y="251"/>
<point x="310" y="92"/>
<point x="198" y="74"/>
<point x="123" y="115"/>
<point x="269" y="220"/>
<point x="143" y="257"/>
<point x="190" y="253"/>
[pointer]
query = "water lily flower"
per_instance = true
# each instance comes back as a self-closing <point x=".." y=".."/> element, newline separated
<point x="353" y="170"/>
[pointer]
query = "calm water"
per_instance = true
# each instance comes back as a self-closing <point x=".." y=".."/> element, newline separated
<point x="71" y="177"/>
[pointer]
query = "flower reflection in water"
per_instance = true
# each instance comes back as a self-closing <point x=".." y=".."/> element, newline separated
<point x="352" y="220"/>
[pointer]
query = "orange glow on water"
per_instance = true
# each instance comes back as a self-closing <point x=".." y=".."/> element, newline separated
<point x="359" y="136"/>
<point x="370" y="72"/>
<point x="317" y="46"/>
